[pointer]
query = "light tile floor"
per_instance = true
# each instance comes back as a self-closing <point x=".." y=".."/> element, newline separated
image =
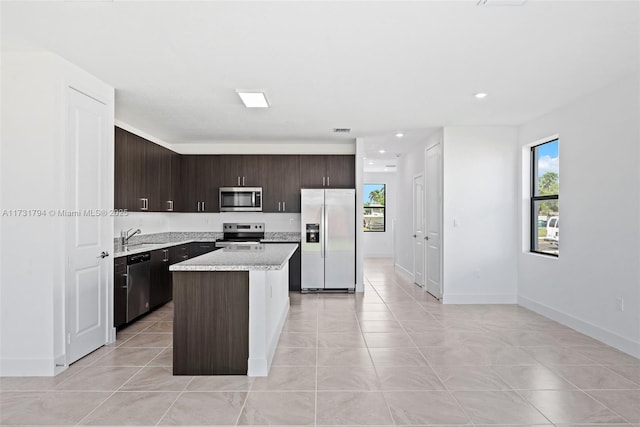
<point x="394" y="356"/>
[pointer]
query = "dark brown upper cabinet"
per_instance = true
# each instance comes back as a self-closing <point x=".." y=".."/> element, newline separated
<point x="332" y="171"/>
<point x="281" y="183"/>
<point x="130" y="172"/>
<point x="243" y="171"/>
<point x="200" y="179"/>
<point x="151" y="178"/>
<point x="143" y="174"/>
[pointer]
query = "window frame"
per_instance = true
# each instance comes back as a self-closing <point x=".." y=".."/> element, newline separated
<point x="533" y="222"/>
<point x="384" y="210"/>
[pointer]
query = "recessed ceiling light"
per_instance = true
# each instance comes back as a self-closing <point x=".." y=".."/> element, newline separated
<point x="399" y="135"/>
<point x="253" y="99"/>
<point x="381" y="151"/>
<point x="480" y="95"/>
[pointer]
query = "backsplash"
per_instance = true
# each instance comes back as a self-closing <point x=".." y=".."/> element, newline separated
<point x="202" y="236"/>
<point x="155" y="223"/>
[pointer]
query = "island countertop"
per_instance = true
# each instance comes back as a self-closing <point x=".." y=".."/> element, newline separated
<point x="240" y="258"/>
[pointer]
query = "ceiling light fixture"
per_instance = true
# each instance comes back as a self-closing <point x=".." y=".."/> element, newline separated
<point x="399" y="135"/>
<point x="381" y="151"/>
<point x="480" y="95"/>
<point x="253" y="99"/>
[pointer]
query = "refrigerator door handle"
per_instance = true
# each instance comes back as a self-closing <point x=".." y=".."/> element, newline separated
<point x="322" y="234"/>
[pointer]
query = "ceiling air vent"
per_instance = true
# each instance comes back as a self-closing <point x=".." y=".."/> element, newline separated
<point x="342" y="130"/>
<point x="501" y="2"/>
<point x="390" y="166"/>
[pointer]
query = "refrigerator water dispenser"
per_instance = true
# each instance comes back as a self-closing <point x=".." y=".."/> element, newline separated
<point x="313" y="233"/>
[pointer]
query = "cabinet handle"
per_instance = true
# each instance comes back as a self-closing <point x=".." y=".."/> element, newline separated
<point x="243" y="181"/>
<point x="198" y="206"/>
<point x="204" y="209"/>
<point x="145" y="204"/>
<point x="169" y="205"/>
<point x="328" y="181"/>
<point x="279" y="206"/>
<point x="323" y="181"/>
<point x="284" y="206"/>
<point x="238" y="181"/>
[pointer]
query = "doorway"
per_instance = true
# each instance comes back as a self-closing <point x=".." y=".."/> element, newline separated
<point x="87" y="232"/>
<point x="433" y="232"/>
<point x="418" y="230"/>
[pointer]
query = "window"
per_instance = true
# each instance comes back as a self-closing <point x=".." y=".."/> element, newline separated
<point x="374" y="199"/>
<point x="545" y="207"/>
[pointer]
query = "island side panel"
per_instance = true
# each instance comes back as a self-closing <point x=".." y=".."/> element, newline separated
<point x="211" y="322"/>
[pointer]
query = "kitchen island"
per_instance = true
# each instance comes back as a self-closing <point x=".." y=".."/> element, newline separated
<point x="229" y="309"/>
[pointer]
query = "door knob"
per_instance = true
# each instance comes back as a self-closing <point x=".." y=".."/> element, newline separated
<point x="104" y="254"/>
<point x="426" y="237"/>
<point x="415" y="235"/>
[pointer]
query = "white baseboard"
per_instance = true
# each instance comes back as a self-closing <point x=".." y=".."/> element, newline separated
<point x="404" y="272"/>
<point x="479" y="299"/>
<point x="27" y="367"/>
<point x="608" y="337"/>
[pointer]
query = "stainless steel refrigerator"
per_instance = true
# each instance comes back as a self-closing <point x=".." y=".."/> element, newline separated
<point x="328" y="239"/>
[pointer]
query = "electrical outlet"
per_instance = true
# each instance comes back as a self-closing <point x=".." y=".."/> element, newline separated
<point x="291" y="221"/>
<point x="620" y="303"/>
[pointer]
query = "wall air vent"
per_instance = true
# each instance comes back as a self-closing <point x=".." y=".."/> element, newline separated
<point x="390" y="166"/>
<point x="342" y="130"/>
<point x="501" y="2"/>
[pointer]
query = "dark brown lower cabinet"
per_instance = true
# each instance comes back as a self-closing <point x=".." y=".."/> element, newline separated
<point x="160" y="287"/>
<point x="119" y="291"/>
<point x="295" y="271"/>
<point x="211" y="322"/>
<point x="201" y="248"/>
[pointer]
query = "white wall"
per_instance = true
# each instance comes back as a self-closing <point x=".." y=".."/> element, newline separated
<point x="380" y="244"/>
<point x="479" y="191"/>
<point x="32" y="263"/>
<point x="600" y="209"/>
<point x="479" y="194"/>
<point x="410" y="165"/>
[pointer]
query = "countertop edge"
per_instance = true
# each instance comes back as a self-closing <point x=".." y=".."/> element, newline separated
<point x="176" y="268"/>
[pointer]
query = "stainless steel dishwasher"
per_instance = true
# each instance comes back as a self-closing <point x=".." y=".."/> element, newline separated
<point x="138" y="284"/>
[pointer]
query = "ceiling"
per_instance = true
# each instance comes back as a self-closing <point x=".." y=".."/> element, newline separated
<point x="375" y="67"/>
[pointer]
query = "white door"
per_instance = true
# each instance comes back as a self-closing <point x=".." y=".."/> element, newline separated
<point x="433" y="235"/>
<point x="86" y="284"/>
<point x="418" y="230"/>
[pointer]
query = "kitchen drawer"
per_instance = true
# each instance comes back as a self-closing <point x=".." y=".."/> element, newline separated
<point x="178" y="253"/>
<point x="200" y="248"/>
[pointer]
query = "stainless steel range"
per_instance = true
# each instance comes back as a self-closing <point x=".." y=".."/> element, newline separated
<point x="241" y="234"/>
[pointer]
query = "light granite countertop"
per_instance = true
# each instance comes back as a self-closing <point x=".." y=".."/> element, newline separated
<point x="147" y="247"/>
<point x="240" y="258"/>
<point x="153" y="242"/>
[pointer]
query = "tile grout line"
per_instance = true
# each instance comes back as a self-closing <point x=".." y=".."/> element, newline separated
<point x="315" y="396"/>
<point x="375" y="369"/>
<point x="122" y="385"/>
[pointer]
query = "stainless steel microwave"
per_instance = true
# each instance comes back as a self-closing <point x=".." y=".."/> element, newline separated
<point x="240" y="199"/>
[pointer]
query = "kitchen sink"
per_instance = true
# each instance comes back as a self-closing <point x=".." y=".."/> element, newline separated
<point x="140" y="246"/>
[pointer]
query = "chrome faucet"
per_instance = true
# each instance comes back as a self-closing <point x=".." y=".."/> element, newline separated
<point x="125" y="236"/>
